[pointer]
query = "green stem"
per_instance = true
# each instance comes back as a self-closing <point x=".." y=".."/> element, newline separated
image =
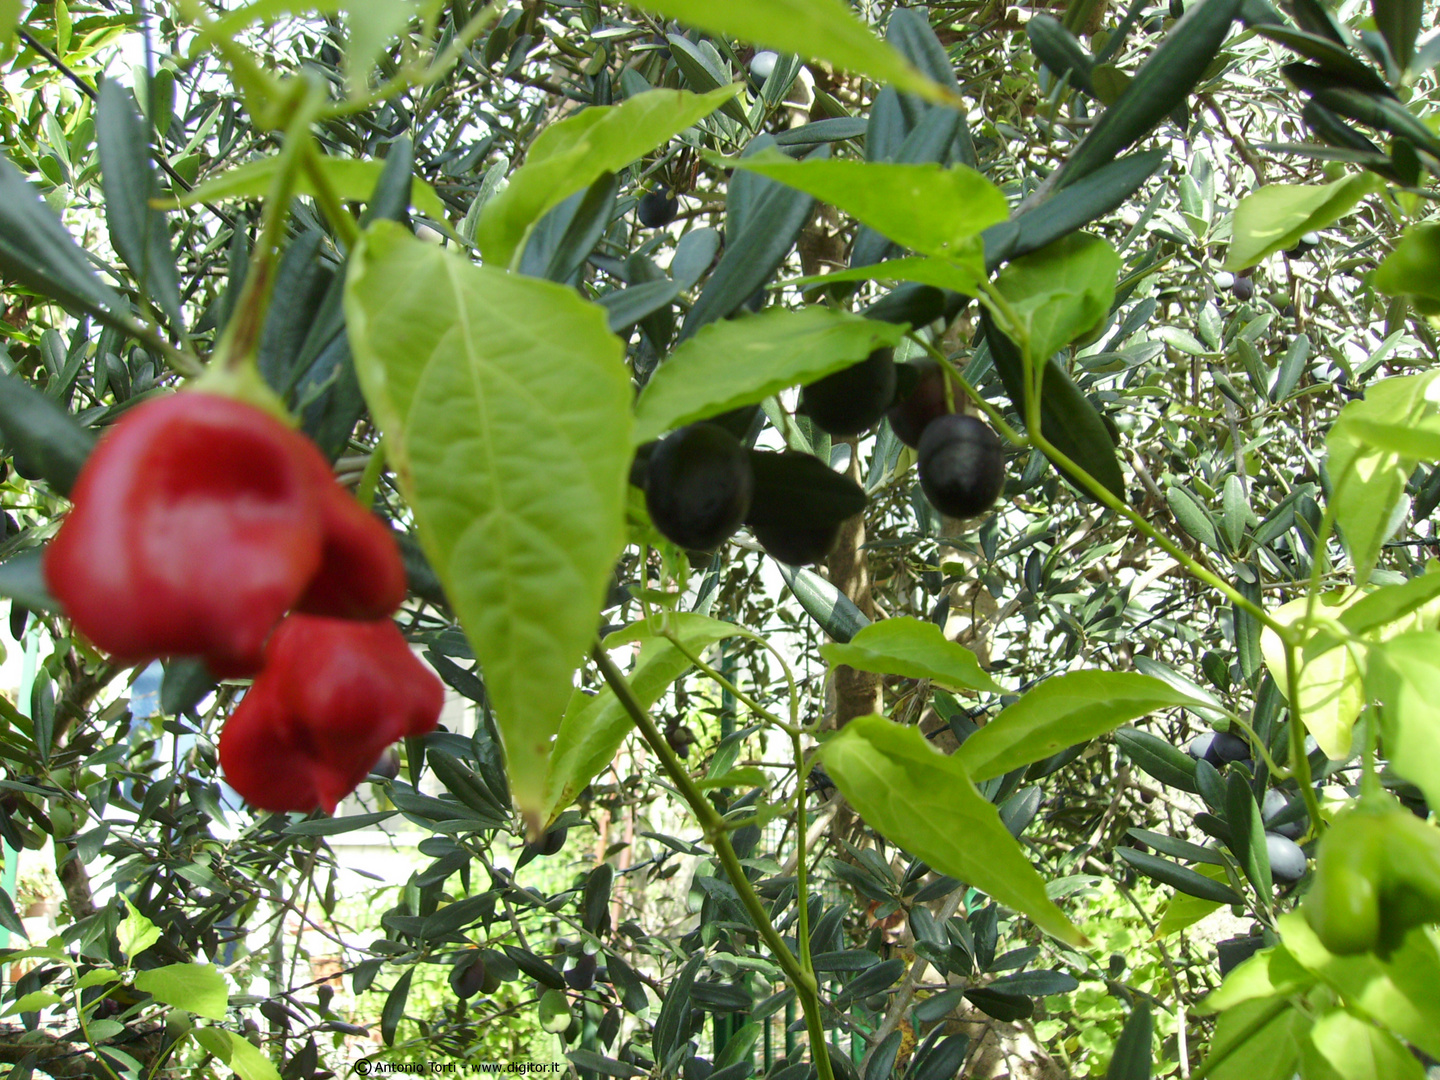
<point x="997" y="421"/>
<point x="740" y="695"/>
<point x="804" y="982"/>
<point x="1014" y="329"/>
<point x="237" y="347"/>
<point x="1299" y="761"/>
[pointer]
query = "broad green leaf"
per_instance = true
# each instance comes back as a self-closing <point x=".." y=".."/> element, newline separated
<point x="1413" y="268"/>
<point x="572" y="154"/>
<point x="1332" y="691"/>
<point x="1060" y="712"/>
<point x="742" y="361"/>
<point x="594" y="727"/>
<point x="1403" y="674"/>
<point x="1392" y="602"/>
<point x="924" y="802"/>
<point x="505" y="404"/>
<point x="248" y="1062"/>
<point x="1277" y="215"/>
<point x="1061" y="291"/>
<point x="354" y="180"/>
<point x="136" y="933"/>
<point x="815" y="29"/>
<point x="33" y="1002"/>
<point x="371" y="25"/>
<point x="941" y="273"/>
<point x="9" y="18"/>
<point x="197" y="988"/>
<point x="1368" y="483"/>
<point x="927" y="208"/>
<point x="914" y="649"/>
<point x="1354" y="1049"/>
<point x="1268" y="973"/>
<point x="1419" y="441"/>
<point x="1398" y="992"/>
<point x="1256" y="1048"/>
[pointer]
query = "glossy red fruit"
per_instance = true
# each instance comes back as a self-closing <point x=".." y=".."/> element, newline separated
<point x="197" y="522"/>
<point x="361" y="574"/>
<point x="334" y="693"/>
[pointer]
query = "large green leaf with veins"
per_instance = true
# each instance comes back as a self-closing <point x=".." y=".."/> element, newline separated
<point x="925" y="802"/>
<point x="505" y="405"/>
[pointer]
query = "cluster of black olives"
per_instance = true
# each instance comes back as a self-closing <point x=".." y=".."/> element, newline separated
<point x="701" y="484"/>
<point x="1283" y="826"/>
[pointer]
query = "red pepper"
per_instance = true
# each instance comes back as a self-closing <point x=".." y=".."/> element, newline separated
<point x="198" y="521"/>
<point x="333" y="694"/>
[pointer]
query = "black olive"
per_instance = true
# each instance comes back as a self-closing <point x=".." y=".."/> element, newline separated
<point x="911" y="416"/>
<point x="854" y="399"/>
<point x="657" y="208"/>
<point x="961" y="465"/>
<point x="698" y="486"/>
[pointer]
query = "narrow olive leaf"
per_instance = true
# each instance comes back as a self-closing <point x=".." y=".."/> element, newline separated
<point x="1192" y="517"/>
<point x="1275" y="216"/>
<point x="1178" y="877"/>
<point x="702" y="73"/>
<point x="1158" y="759"/>
<point x="1071" y="208"/>
<point x="1060" y="51"/>
<point x="1331" y="56"/>
<point x="517" y="385"/>
<point x="743" y="361"/>
<point x="38" y="251"/>
<point x="571" y="155"/>
<point x="46" y="442"/>
<point x="914" y="649"/>
<point x="815" y="29"/>
<point x="594" y="727"/>
<point x="138" y="231"/>
<point x="675" y="1010"/>
<point x="1247" y="832"/>
<point x="353" y="179"/>
<point x="928" y="208"/>
<point x="1399" y="24"/>
<point x="626" y="307"/>
<point x="1368" y="482"/>
<point x="835" y="129"/>
<point x="1162" y="83"/>
<point x="923" y="801"/>
<point x="1061" y="712"/>
<point x="835" y="612"/>
<point x="394" y="1009"/>
<point x="1132" y="1059"/>
<point x="765" y="219"/>
<point x="196" y="988"/>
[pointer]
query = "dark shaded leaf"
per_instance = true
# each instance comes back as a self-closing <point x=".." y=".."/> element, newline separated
<point x="1000" y="1004"/>
<point x="1156" y="757"/>
<point x="1162" y="83"/>
<point x="394" y="1009"/>
<point x="1179" y="877"/>
<point x="46" y="442"/>
<point x="39" y="252"/>
<point x="1132" y="1049"/>
<point x="22" y="579"/>
<point x="137" y="229"/>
